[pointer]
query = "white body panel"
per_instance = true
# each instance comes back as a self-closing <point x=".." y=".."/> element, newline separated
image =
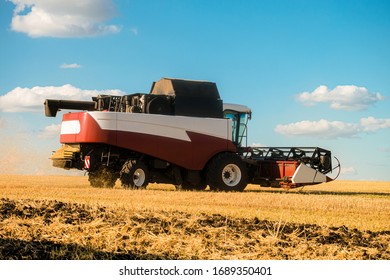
<point x="70" y="127"/>
<point x="175" y="127"/>
<point x="306" y="175"/>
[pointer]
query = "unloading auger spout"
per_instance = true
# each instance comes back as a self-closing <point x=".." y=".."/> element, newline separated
<point x="52" y="106"/>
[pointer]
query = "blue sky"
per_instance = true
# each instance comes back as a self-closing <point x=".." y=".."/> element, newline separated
<point x="315" y="73"/>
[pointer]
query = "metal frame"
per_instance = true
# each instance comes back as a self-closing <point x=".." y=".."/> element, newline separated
<point x="314" y="157"/>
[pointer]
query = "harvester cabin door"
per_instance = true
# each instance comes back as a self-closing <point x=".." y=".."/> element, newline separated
<point x="239" y="124"/>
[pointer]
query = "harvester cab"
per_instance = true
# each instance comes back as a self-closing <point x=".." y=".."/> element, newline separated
<point x="240" y="115"/>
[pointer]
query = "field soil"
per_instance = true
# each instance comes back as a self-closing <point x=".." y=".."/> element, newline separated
<point x="62" y="217"/>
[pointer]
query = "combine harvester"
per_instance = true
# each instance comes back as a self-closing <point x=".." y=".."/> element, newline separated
<point x="180" y="133"/>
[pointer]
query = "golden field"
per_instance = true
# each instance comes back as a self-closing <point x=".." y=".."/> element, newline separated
<point x="62" y="217"/>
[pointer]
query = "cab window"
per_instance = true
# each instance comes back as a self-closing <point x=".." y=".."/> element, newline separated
<point x="239" y="124"/>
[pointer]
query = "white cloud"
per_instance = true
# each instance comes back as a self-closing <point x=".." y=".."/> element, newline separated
<point x="332" y="129"/>
<point x="351" y="98"/>
<point x="256" y="144"/>
<point x="70" y="66"/>
<point x="371" y="124"/>
<point x="322" y="128"/>
<point x="32" y="99"/>
<point x="64" y="19"/>
<point x="348" y="170"/>
<point x="50" y="131"/>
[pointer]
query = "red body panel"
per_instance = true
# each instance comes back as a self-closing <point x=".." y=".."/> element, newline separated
<point x="278" y="169"/>
<point x="192" y="155"/>
<point x="90" y="131"/>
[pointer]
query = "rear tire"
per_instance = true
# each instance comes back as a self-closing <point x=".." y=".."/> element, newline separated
<point x="134" y="175"/>
<point x="227" y="172"/>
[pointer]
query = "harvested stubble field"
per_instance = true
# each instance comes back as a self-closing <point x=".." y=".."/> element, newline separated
<point x="62" y="217"/>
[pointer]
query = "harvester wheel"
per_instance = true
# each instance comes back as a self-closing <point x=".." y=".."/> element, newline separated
<point x="134" y="175"/>
<point x="227" y="172"/>
<point x="102" y="177"/>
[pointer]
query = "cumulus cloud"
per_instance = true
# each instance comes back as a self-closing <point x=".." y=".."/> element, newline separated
<point x="372" y="124"/>
<point x="322" y="128"/>
<point x="350" y="97"/>
<point x="348" y="170"/>
<point x="50" y="131"/>
<point x="32" y="99"/>
<point x="70" y="66"/>
<point x="257" y="144"/>
<point x="63" y="19"/>
<point x="332" y="129"/>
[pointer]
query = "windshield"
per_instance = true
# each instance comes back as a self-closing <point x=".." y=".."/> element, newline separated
<point x="239" y="124"/>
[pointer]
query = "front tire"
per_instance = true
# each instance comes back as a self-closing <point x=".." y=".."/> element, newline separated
<point x="227" y="172"/>
<point x="134" y="175"/>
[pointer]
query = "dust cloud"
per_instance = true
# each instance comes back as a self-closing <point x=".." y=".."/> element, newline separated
<point x="26" y="153"/>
